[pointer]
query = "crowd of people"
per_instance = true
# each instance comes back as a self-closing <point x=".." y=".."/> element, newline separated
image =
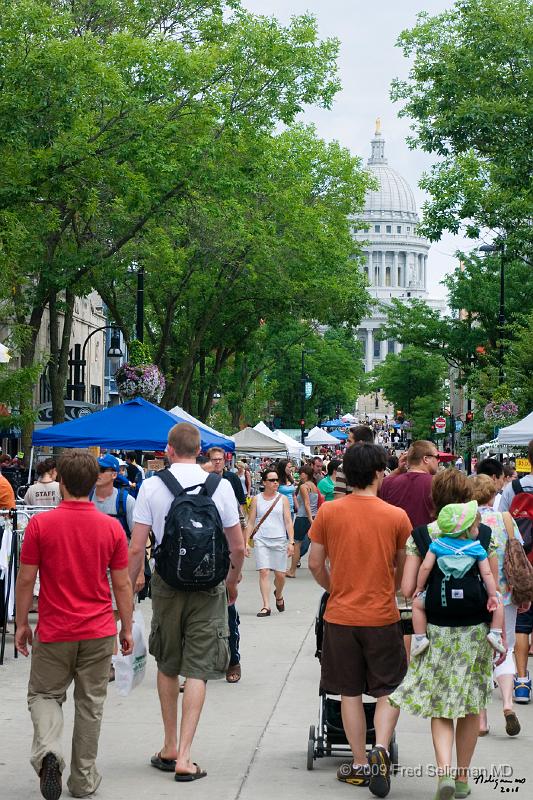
<point x="435" y="539"/>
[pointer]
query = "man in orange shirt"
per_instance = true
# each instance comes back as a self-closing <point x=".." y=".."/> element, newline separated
<point x="7" y="495"/>
<point x="363" y="539"/>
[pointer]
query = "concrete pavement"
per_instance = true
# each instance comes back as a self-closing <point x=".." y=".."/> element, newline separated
<point x="252" y="737"/>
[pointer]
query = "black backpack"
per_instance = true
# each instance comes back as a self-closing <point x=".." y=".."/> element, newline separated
<point x="454" y="602"/>
<point x="193" y="554"/>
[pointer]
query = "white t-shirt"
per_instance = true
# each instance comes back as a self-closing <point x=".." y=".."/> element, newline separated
<point x="154" y="499"/>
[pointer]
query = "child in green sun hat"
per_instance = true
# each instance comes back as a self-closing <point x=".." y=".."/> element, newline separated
<point x="455" y="551"/>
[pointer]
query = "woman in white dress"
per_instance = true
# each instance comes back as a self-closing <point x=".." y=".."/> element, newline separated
<point x="270" y="518"/>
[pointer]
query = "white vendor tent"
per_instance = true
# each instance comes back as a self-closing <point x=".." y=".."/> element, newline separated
<point x="519" y="433"/>
<point x="252" y="442"/>
<point x="4" y="354"/>
<point x="184" y="416"/>
<point x="318" y="437"/>
<point x="294" y="448"/>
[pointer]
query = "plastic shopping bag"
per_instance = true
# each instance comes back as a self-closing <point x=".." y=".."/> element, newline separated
<point x="130" y="670"/>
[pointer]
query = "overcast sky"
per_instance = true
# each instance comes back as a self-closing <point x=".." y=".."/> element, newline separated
<point x="368" y="62"/>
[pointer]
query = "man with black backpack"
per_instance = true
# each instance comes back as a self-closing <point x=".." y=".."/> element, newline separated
<point x="517" y="498"/>
<point x="198" y="560"/>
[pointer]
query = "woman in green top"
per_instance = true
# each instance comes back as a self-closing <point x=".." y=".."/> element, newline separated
<point x="327" y="485"/>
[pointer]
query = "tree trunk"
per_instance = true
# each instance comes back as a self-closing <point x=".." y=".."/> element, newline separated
<point x="59" y="350"/>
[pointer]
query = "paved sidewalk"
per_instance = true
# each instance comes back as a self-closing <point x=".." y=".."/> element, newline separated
<point x="252" y="737"/>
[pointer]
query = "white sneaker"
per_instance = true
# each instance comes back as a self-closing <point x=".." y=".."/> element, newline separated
<point x="496" y="642"/>
<point x="420" y="643"/>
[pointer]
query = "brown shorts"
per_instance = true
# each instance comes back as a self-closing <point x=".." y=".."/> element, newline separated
<point x="362" y="660"/>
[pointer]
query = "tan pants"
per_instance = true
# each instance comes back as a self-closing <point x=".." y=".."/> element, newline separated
<point x="54" y="665"/>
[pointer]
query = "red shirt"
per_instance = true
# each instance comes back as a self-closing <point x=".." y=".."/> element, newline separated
<point x="73" y="546"/>
<point x="412" y="492"/>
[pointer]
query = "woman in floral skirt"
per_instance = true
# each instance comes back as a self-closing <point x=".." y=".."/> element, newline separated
<point x="451" y="682"/>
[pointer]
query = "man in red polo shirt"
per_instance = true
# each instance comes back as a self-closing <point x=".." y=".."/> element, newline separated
<point x="411" y="490"/>
<point x="72" y="547"/>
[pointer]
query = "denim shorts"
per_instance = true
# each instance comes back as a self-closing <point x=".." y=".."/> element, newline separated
<point x="301" y="528"/>
<point x="524" y="622"/>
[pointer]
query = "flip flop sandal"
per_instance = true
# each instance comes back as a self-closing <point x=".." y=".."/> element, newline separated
<point x="164" y="764"/>
<point x="512" y="726"/>
<point x="289" y="576"/>
<point x="233" y="674"/>
<point x="280" y="603"/>
<point x="484" y="732"/>
<point x="186" y="777"/>
<point x="265" y="612"/>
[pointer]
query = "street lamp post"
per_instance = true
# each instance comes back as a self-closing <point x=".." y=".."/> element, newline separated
<point x="306" y="390"/>
<point x="139" y="333"/>
<point x="499" y="248"/>
<point x="114" y="351"/>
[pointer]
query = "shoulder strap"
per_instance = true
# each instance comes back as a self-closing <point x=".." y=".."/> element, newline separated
<point x="121" y="502"/>
<point x="172" y="483"/>
<point x="509" y="527"/>
<point x="422" y="539"/>
<point x="211" y="484"/>
<point x="485" y="534"/>
<point x="517" y="486"/>
<point x="265" y="515"/>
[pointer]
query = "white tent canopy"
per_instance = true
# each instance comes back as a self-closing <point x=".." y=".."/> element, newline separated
<point x="4" y="354"/>
<point x="318" y="437"/>
<point x="255" y="443"/>
<point x="184" y="415"/>
<point x="294" y="448"/>
<point x="519" y="433"/>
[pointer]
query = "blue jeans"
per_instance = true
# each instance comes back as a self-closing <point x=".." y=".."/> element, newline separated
<point x="234" y="635"/>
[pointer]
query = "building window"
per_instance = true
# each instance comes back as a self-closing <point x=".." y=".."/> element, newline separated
<point x="408" y="229"/>
<point x="387" y="276"/>
<point x="362" y="340"/>
<point x="95" y="394"/>
<point x="398" y="228"/>
<point x="389" y="228"/>
<point x="377" y="348"/>
<point x="377" y="228"/>
<point x="390" y="346"/>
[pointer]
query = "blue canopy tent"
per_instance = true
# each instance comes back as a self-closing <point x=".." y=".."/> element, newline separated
<point x="340" y="435"/>
<point x="333" y="423"/>
<point x="135" y="425"/>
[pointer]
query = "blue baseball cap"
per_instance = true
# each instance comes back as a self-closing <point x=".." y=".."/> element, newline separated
<point x="109" y="462"/>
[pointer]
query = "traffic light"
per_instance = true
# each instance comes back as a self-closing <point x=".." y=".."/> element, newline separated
<point x="302" y="423"/>
<point x="469" y="416"/>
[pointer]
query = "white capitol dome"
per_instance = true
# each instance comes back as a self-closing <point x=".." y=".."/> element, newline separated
<point x="394" y="193"/>
<point x="395" y="255"/>
<point x="394" y="197"/>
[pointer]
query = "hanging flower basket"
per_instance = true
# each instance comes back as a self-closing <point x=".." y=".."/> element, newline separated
<point x="143" y="380"/>
<point x="500" y="412"/>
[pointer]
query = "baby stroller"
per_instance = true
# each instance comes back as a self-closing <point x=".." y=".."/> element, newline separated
<point x="328" y="739"/>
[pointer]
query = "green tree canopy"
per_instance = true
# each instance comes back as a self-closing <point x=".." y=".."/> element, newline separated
<point x="469" y="97"/>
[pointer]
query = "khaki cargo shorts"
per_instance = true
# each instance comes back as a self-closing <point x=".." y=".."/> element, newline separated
<point x="189" y="633"/>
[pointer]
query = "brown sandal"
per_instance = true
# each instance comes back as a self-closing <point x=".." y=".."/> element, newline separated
<point x="265" y="612"/>
<point x="280" y="603"/>
<point x="233" y="674"/>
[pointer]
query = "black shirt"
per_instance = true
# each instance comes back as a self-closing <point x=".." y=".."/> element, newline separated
<point x="236" y="485"/>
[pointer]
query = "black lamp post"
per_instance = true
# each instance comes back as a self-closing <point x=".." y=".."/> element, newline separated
<point x="113" y="351"/>
<point x="499" y="248"/>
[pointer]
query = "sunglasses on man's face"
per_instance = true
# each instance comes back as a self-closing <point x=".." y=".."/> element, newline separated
<point x="272" y="480"/>
<point x="106" y="469"/>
